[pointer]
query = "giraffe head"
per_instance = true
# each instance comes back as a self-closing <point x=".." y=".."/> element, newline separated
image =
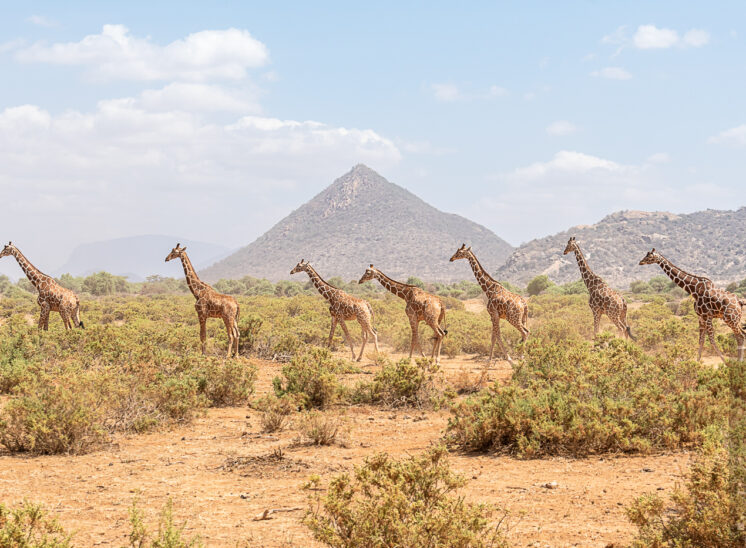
<point x="7" y="250"/>
<point x="652" y="257"/>
<point x="572" y="246"/>
<point x="176" y="252"/>
<point x="302" y="266"/>
<point x="461" y="253"/>
<point x="370" y="273"/>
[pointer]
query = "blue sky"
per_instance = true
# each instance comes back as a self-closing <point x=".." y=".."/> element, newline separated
<point x="213" y="122"/>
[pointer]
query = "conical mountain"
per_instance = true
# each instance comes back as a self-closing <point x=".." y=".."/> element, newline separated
<point x="360" y="219"/>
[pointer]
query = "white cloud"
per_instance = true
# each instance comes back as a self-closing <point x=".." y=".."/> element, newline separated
<point x="200" y="97"/>
<point x="659" y="158"/>
<point x="115" y="54"/>
<point x="42" y="21"/>
<point x="613" y="73"/>
<point x="574" y="187"/>
<point x="696" y="38"/>
<point x="127" y="168"/>
<point x="449" y="93"/>
<point x="446" y="93"/>
<point x="735" y="136"/>
<point x="651" y="37"/>
<point x="561" y="128"/>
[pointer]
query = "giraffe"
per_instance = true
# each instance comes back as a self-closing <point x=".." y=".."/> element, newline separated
<point x="421" y="306"/>
<point x="710" y="302"/>
<point x="601" y="298"/>
<point x="342" y="307"/>
<point x="52" y="296"/>
<point x="210" y="303"/>
<point x="501" y="303"/>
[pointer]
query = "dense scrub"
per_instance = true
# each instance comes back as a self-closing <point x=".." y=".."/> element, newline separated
<point x="572" y="396"/>
<point x="410" y="502"/>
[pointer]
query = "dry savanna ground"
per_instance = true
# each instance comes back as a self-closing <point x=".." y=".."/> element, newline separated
<point x="223" y="470"/>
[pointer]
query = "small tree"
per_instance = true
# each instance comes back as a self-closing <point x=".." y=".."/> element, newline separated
<point x="414" y="280"/>
<point x="538" y="284"/>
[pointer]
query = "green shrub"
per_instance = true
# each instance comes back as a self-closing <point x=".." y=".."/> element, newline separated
<point x="412" y="502"/>
<point x="323" y="428"/>
<point x="227" y="382"/>
<point x="168" y="535"/>
<point x="538" y="284"/>
<point x="576" y="398"/>
<point x="29" y="527"/>
<point x="401" y="384"/>
<point x="707" y="512"/>
<point x="312" y="375"/>
<point x="275" y="412"/>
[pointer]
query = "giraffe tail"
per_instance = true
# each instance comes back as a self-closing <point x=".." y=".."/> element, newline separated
<point x="442" y="318"/>
<point x="78" y="322"/>
<point x="630" y="335"/>
<point x="742" y="302"/>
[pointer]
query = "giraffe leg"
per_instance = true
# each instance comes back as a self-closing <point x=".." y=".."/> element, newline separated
<point x="331" y="333"/>
<point x="347" y="336"/>
<point x="413" y="325"/>
<point x="702" y="331"/>
<point x="365" y="340"/>
<point x="236" y="336"/>
<point x="44" y="317"/>
<point x="202" y="333"/>
<point x="492" y="344"/>
<point x="711" y="336"/>
<point x="65" y="319"/>
<point x="735" y="326"/>
<point x="231" y="334"/>
<point x="502" y="345"/>
<point x="596" y="322"/>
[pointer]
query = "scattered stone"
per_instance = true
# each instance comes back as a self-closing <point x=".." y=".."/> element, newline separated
<point x="550" y="485"/>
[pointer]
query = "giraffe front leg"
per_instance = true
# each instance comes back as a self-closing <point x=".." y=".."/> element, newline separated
<point x="331" y="333"/>
<point x="365" y="340"/>
<point x="502" y="345"/>
<point x="596" y="322"/>
<point x="202" y="333"/>
<point x="413" y="325"/>
<point x="44" y="317"/>
<point x="347" y="336"/>
<point x="702" y="331"/>
<point x="711" y="336"/>
<point x="65" y="319"/>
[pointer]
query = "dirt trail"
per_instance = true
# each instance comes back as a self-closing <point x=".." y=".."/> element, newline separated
<point x="90" y="494"/>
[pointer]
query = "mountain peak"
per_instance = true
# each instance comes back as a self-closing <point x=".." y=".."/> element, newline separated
<point x="359" y="219"/>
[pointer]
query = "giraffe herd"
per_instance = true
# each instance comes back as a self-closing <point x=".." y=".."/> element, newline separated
<point x="710" y="302"/>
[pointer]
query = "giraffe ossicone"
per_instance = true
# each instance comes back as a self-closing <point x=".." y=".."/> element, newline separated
<point x="210" y="303"/>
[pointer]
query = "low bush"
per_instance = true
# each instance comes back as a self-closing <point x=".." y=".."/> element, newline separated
<point x="323" y="428"/>
<point x="410" y="502"/>
<point x="311" y="375"/>
<point x="275" y="412"/>
<point x="576" y="398"/>
<point x="401" y="384"/>
<point x="168" y="534"/>
<point x="28" y="526"/>
<point x="708" y="511"/>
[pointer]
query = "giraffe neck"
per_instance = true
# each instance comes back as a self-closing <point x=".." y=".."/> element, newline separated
<point x="34" y="275"/>
<point x="196" y="286"/>
<point x="397" y="288"/>
<point x="485" y="281"/>
<point x="688" y="282"/>
<point x="327" y="291"/>
<point x="585" y="271"/>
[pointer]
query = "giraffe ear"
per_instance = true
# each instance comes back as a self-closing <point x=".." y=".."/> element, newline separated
<point x="653" y="250"/>
<point x="178" y="246"/>
<point x="371" y="265"/>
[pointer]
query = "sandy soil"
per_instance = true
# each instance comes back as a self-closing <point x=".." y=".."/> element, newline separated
<point x="222" y="472"/>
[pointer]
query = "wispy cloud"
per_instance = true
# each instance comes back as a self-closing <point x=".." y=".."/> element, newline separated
<point x="735" y="137"/>
<point x="561" y="128"/>
<point x="649" y="37"/>
<point x="42" y="21"/>
<point x="116" y="54"/>
<point x="612" y="73"/>
<point x="450" y="93"/>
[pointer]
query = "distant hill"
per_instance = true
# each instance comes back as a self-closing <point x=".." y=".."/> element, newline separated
<point x="360" y="219"/>
<point x="710" y="243"/>
<point x="138" y="257"/>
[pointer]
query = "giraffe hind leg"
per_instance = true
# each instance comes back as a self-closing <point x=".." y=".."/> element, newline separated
<point x="711" y="336"/>
<point x="347" y="336"/>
